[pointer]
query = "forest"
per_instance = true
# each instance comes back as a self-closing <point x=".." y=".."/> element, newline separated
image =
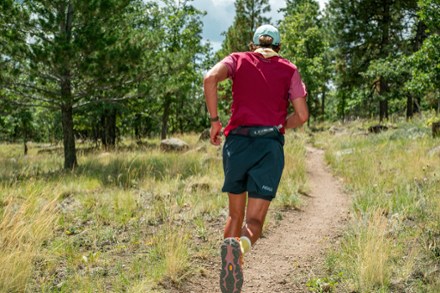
<point x="105" y="70"/>
<point x="90" y="202"/>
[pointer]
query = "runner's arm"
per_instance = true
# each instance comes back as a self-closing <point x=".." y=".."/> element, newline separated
<point x="217" y="74"/>
<point x="301" y="114"/>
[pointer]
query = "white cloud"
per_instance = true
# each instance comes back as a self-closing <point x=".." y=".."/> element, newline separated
<point x="275" y="5"/>
<point x="222" y="3"/>
<point x="216" y="46"/>
<point x="220" y="15"/>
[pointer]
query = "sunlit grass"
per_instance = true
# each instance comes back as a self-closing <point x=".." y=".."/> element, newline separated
<point x="371" y="248"/>
<point x="169" y="254"/>
<point x="28" y="217"/>
<point x="294" y="178"/>
<point x="395" y="183"/>
<point x="135" y="219"/>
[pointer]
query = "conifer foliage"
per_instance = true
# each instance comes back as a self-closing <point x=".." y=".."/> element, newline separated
<point x="104" y="69"/>
<point x="92" y="61"/>
<point x="249" y="14"/>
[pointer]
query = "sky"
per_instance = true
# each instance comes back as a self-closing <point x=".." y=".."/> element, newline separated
<point x="220" y="15"/>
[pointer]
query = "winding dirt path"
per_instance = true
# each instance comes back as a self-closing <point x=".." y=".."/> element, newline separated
<point x="293" y="252"/>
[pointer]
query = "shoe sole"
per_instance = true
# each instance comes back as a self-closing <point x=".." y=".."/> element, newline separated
<point x="231" y="276"/>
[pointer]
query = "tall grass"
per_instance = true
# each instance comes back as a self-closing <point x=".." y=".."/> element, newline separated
<point x="130" y="220"/>
<point x="169" y="254"/>
<point x="370" y="252"/>
<point x="27" y="221"/>
<point x="395" y="184"/>
<point x="294" y="178"/>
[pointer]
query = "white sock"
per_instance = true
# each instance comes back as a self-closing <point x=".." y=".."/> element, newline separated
<point x="245" y="244"/>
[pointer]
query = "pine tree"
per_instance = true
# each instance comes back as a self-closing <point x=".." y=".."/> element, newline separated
<point x="75" y="53"/>
<point x="364" y="31"/>
<point x="249" y="14"/>
<point x="304" y="42"/>
<point x="178" y="73"/>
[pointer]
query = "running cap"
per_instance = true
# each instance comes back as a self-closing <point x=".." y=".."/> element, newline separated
<point x="267" y="30"/>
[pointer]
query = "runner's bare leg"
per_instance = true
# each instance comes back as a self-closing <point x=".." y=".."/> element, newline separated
<point x="255" y="215"/>
<point x="234" y="222"/>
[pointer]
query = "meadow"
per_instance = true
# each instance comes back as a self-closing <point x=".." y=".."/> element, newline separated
<point x="135" y="219"/>
<point x="393" y="241"/>
<point x="138" y="219"/>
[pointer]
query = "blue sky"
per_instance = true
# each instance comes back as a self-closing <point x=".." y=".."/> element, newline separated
<point x="220" y="15"/>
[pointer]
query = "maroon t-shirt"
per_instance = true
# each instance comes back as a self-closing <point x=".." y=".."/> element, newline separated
<point x="261" y="89"/>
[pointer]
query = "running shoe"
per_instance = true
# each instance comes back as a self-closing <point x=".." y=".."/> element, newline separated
<point x="231" y="275"/>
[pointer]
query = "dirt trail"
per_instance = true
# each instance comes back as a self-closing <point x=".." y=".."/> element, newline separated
<point x="293" y="252"/>
<point x="297" y="247"/>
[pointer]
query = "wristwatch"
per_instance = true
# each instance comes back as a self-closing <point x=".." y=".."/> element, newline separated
<point x="214" y="119"/>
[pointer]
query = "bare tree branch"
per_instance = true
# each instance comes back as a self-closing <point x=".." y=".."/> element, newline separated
<point x="29" y="86"/>
<point x="52" y="104"/>
<point x="107" y="100"/>
<point x="30" y="105"/>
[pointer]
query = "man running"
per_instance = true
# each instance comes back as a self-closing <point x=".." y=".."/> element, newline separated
<point x="263" y="83"/>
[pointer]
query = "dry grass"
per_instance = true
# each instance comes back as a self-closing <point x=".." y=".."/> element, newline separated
<point x="25" y="226"/>
<point x="394" y="179"/>
<point x="294" y="180"/>
<point x="173" y="251"/>
<point x="124" y="221"/>
<point x="373" y="249"/>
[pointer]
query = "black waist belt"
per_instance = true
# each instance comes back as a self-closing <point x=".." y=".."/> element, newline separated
<point x="256" y="131"/>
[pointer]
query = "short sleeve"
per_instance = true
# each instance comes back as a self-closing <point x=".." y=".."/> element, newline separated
<point x="230" y="62"/>
<point x="297" y="87"/>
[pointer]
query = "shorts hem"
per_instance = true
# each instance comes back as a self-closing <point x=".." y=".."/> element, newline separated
<point x="233" y="191"/>
<point x="261" y="196"/>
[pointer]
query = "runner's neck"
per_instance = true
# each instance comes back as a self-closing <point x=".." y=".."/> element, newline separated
<point x="266" y="52"/>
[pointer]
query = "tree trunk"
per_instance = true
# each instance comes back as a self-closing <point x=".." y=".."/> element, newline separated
<point x="108" y="129"/>
<point x="103" y="132"/>
<point x="409" y="107"/>
<point x="323" y="105"/>
<point x="96" y="133"/>
<point x="416" y="105"/>
<point x="383" y="103"/>
<point x="25" y="137"/>
<point x="165" y="117"/>
<point x="384" y="51"/>
<point x="111" y="126"/>
<point x="137" y="124"/>
<point x="341" y="107"/>
<point x="180" y="118"/>
<point x="420" y="37"/>
<point x="383" y="110"/>
<point x="70" y="161"/>
<point x="436" y="129"/>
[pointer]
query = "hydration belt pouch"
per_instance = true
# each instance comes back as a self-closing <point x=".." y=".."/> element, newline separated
<point x="257" y="131"/>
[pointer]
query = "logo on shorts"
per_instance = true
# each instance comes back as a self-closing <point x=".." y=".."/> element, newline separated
<point x="267" y="188"/>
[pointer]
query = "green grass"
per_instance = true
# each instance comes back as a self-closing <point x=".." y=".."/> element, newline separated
<point x="393" y="242"/>
<point x="295" y="171"/>
<point x="132" y="220"/>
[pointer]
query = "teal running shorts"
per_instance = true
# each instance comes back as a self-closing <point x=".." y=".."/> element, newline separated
<point x="253" y="164"/>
